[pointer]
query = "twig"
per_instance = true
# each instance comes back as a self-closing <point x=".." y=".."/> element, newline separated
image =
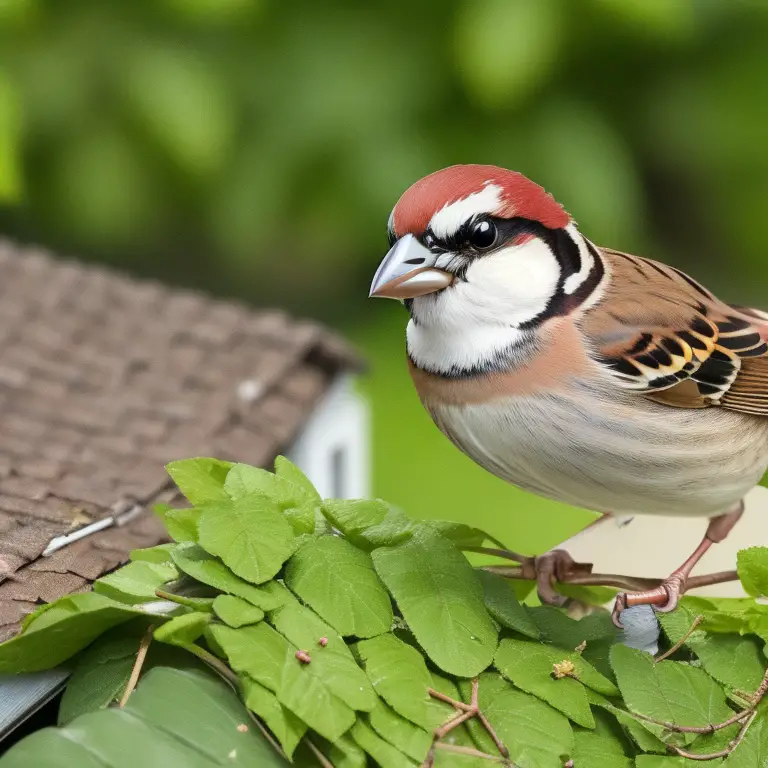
<point x="265" y="733"/>
<point x="504" y="554"/>
<point x="710" y="728"/>
<point x="723" y="752"/>
<point x="322" y="759"/>
<point x="216" y="664"/>
<point x="141" y="654"/>
<point x="681" y="642"/>
<point x="628" y="583"/>
<point x="448" y="700"/>
<point x="459" y="750"/>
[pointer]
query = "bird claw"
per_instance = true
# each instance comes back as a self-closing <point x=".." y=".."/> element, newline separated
<point x="664" y="598"/>
<point x="551" y="567"/>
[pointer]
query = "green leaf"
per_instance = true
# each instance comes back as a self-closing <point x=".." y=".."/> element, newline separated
<point x="536" y="735"/>
<point x="297" y="502"/>
<point x="400" y="676"/>
<point x="101" y="673"/>
<point x="368" y="524"/>
<point x="503" y="605"/>
<point x="345" y="753"/>
<point x="201" y="480"/>
<point x="752" y="565"/>
<point x="62" y="630"/>
<point x="590" y="595"/>
<point x="407" y="737"/>
<point x="645" y="735"/>
<point x="159" y="554"/>
<point x="333" y="663"/>
<point x="235" y="611"/>
<point x="598" y="750"/>
<point x="183" y="630"/>
<point x="440" y="596"/>
<point x="249" y="534"/>
<point x="287" y="470"/>
<point x="530" y="665"/>
<point x="266" y="656"/>
<point x="197" y="563"/>
<point x="181" y="524"/>
<point x="668" y="691"/>
<point x="732" y="660"/>
<point x="380" y="750"/>
<point x="460" y="534"/>
<point x="338" y="581"/>
<point x="135" y="582"/>
<point x="287" y="728"/>
<point x="656" y="761"/>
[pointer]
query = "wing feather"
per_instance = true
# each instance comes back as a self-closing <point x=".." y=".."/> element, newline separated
<point x="663" y="335"/>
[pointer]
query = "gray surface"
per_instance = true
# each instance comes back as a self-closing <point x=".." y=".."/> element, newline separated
<point x="22" y="695"/>
<point x="641" y="628"/>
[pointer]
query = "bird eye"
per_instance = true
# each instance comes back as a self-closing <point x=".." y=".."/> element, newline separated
<point x="482" y="234"/>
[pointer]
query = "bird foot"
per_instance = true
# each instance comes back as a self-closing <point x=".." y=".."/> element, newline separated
<point x="549" y="568"/>
<point x="663" y="598"/>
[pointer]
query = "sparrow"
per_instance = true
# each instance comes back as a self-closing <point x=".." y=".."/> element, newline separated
<point x="580" y="373"/>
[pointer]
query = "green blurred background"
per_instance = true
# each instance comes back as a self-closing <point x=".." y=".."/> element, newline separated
<point x="255" y="148"/>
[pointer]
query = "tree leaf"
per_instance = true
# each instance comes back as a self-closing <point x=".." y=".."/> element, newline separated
<point x="536" y="735"/>
<point x="101" y="673"/>
<point x="287" y="470"/>
<point x="332" y="663"/>
<point x="266" y="656"/>
<point x="201" y="480"/>
<point x="62" y="630"/>
<point x="645" y="735"/>
<point x="287" y="728"/>
<point x="135" y="582"/>
<point x="400" y="676"/>
<point x="159" y="554"/>
<point x="530" y="665"/>
<point x="732" y="660"/>
<point x="668" y="691"/>
<point x="249" y="534"/>
<point x="181" y="524"/>
<point x="461" y="534"/>
<point x="338" y="581"/>
<point x="368" y="523"/>
<point x="440" y="596"/>
<point x="380" y="750"/>
<point x="503" y="605"/>
<point x="598" y="750"/>
<point x="752" y="565"/>
<point x="183" y="630"/>
<point x="197" y="563"/>
<point x="345" y="753"/>
<point x="656" y="761"/>
<point x="235" y="611"/>
<point x="297" y="502"/>
<point x="401" y="733"/>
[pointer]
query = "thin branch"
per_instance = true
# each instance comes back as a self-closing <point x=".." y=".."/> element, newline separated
<point x="710" y="728"/>
<point x="472" y="752"/>
<point x="265" y="733"/>
<point x="141" y="654"/>
<point x="216" y="664"/>
<point x="504" y="554"/>
<point x="322" y="759"/>
<point x="723" y="752"/>
<point x="628" y="583"/>
<point x="682" y="641"/>
<point x="448" y="700"/>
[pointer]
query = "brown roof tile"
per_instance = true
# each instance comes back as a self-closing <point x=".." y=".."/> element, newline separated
<point x="103" y="380"/>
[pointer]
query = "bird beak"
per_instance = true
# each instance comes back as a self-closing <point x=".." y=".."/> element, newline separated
<point x="407" y="271"/>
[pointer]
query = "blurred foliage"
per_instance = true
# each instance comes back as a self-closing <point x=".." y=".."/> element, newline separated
<point x="255" y="147"/>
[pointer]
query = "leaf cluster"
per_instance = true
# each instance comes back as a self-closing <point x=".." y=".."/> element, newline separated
<point x="355" y="635"/>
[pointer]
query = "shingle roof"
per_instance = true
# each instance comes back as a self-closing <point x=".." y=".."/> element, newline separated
<point x="103" y="380"/>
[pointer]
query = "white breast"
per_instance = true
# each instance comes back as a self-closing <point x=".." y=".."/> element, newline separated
<point x="620" y="456"/>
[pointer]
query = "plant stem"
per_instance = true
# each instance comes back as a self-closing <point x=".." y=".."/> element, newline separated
<point x="723" y="752"/>
<point x="681" y="642"/>
<point x="216" y="664"/>
<point x="628" y="583"/>
<point x="141" y="654"/>
<point x="322" y="759"/>
<point x="459" y="750"/>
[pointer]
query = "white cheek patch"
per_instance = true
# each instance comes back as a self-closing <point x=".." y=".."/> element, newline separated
<point x="572" y="282"/>
<point x="451" y="217"/>
<point x="475" y="322"/>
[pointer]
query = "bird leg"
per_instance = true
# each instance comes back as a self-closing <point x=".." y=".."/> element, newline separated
<point x="666" y="596"/>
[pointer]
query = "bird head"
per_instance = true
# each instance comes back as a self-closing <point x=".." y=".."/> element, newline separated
<point x="482" y="241"/>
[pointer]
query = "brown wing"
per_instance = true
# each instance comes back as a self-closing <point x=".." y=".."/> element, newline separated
<point x="662" y="334"/>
